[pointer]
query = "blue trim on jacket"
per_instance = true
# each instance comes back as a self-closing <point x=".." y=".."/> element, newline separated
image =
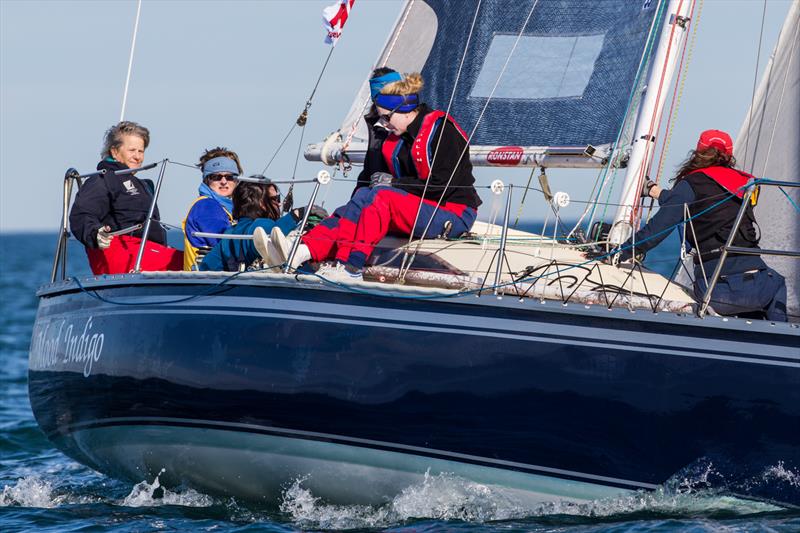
<point x="227" y="254"/>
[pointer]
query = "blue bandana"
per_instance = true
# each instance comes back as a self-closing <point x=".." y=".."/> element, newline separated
<point x="225" y="202"/>
<point x="376" y="84"/>
<point x="398" y="103"/>
<point x="220" y="164"/>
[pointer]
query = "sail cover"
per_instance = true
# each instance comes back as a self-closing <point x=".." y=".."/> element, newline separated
<point x="768" y="146"/>
<point x="567" y="83"/>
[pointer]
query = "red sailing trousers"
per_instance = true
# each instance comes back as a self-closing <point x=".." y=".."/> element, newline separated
<point x="352" y="232"/>
<point x="120" y="257"/>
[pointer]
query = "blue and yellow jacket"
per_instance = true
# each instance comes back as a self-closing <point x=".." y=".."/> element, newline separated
<point x="227" y="254"/>
<point x="205" y="215"/>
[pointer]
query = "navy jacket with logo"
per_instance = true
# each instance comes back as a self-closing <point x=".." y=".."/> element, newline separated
<point x="115" y="201"/>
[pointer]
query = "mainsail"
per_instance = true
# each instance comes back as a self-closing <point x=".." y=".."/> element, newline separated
<point x="768" y="146"/>
<point x="561" y="85"/>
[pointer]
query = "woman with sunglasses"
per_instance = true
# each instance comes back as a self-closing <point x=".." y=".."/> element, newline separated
<point x="376" y="133"/>
<point x="212" y="211"/>
<point x="430" y="174"/>
<point x="256" y="206"/>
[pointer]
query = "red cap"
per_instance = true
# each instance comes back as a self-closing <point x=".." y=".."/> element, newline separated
<point x="715" y="139"/>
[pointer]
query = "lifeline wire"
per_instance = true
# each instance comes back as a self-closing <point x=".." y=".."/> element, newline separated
<point x="558" y="271"/>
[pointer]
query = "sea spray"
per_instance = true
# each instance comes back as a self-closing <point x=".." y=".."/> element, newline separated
<point x="450" y="497"/>
<point x="145" y="494"/>
<point x="30" y="492"/>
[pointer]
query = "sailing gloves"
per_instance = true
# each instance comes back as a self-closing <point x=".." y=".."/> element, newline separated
<point x="104" y="237"/>
<point x="647" y="187"/>
<point x="315" y="216"/>
<point x="380" y="179"/>
<point x="634" y="255"/>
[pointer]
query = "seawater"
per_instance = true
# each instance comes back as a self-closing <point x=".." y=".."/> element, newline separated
<point x="43" y="490"/>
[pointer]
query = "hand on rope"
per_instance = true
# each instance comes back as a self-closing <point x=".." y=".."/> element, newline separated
<point x="628" y="254"/>
<point x="650" y="189"/>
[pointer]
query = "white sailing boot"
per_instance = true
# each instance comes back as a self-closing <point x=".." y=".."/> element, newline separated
<point x="278" y="249"/>
<point x="261" y="242"/>
<point x="336" y="271"/>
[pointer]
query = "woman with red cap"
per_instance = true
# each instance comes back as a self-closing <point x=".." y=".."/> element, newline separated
<point x="747" y="286"/>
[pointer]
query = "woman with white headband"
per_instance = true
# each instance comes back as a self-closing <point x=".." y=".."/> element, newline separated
<point x="212" y="211"/>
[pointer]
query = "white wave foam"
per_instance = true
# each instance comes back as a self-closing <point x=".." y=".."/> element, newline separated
<point x="145" y="494"/>
<point x="449" y="497"/>
<point x="30" y="492"/>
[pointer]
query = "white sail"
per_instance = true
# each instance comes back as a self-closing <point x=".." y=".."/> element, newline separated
<point x="768" y="146"/>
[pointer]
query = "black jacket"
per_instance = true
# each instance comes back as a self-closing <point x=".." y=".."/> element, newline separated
<point x="115" y="201"/>
<point x="461" y="189"/>
<point x="373" y="160"/>
<point x="714" y="223"/>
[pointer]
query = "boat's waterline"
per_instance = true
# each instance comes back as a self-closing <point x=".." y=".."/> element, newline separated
<point x="259" y="466"/>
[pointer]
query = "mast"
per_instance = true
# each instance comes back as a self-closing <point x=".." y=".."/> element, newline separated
<point x="662" y="70"/>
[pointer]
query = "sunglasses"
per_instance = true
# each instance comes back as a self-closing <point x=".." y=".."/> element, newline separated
<point x="384" y="120"/>
<point x="220" y="177"/>
<point x="276" y="198"/>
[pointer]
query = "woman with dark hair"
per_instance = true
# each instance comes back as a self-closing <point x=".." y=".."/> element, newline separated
<point x="211" y="212"/>
<point x="256" y="208"/>
<point x="747" y="286"/>
<point x="112" y="202"/>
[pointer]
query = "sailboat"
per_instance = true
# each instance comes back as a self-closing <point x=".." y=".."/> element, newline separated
<point x="504" y="357"/>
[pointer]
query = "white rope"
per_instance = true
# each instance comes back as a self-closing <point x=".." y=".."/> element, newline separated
<point x="130" y="61"/>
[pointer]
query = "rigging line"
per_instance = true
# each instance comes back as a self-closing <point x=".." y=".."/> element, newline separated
<point x="647" y="160"/>
<point x="130" y="61"/>
<point x="674" y="105"/>
<point x="402" y="18"/>
<point x="319" y="78"/>
<point x="780" y="103"/>
<point x="683" y="73"/>
<point x="285" y="138"/>
<point x="524" y="195"/>
<point x="441" y="133"/>
<point x="755" y="80"/>
<point x="477" y="123"/>
<point x="301" y="120"/>
<point x="797" y="207"/>
<point x="643" y="62"/>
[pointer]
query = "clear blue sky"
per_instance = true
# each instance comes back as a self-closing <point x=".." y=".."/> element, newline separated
<point x="237" y="73"/>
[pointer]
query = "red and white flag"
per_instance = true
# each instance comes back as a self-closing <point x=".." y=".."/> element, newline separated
<point x="334" y="18"/>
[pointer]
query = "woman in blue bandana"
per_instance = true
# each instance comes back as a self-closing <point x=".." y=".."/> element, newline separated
<point x="373" y="161"/>
<point x="212" y="211"/>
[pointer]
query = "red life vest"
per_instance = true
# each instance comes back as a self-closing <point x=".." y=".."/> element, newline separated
<point x="730" y="179"/>
<point x="421" y="149"/>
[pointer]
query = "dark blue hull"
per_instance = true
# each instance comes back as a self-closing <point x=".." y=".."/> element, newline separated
<point x="579" y="395"/>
